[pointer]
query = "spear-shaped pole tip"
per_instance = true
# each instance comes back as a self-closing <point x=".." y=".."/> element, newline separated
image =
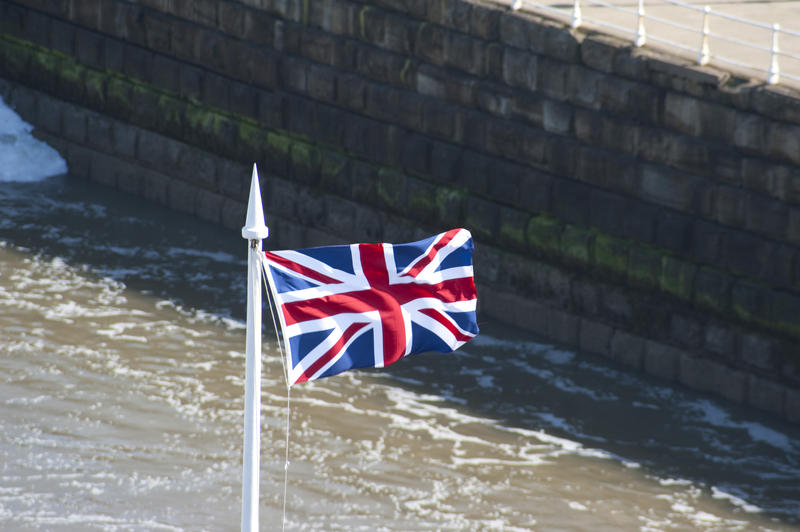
<point x="254" y="227"/>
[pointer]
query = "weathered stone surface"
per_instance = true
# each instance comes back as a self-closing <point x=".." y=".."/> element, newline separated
<point x="661" y="360"/>
<point x="595" y="337"/>
<point x="627" y="349"/>
<point x="765" y="394"/>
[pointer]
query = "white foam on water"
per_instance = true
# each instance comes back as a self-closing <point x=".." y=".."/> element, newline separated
<point x="23" y="157"/>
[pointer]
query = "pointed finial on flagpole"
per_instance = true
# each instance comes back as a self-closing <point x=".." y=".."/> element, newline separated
<point x="254" y="227"/>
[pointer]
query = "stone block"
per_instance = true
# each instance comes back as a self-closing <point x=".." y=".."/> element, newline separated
<point x="504" y="187"/>
<point x="557" y="117"/>
<point x="450" y="204"/>
<point x="484" y="22"/>
<point x="482" y="218"/>
<point x="720" y="340"/>
<point x="765" y="394"/>
<point x="320" y="46"/>
<point x="440" y="120"/>
<point x="79" y="160"/>
<point x="712" y="289"/>
<point x="706" y="239"/>
<point x="584" y="296"/>
<point x="729" y="205"/>
<point x="639" y="223"/>
<point x="673" y="231"/>
<point x="182" y="196"/>
<point x="644" y="266"/>
<point x="89" y="48"/>
<point x="563" y="327"/>
<point x="137" y="63"/>
<point x="595" y="337"/>
<point x="552" y="39"/>
<point x="572" y="202"/>
<point x="534" y="191"/>
<point x="231" y="179"/>
<point x="791" y="407"/>
<point x="100" y="132"/>
<point x="123" y="138"/>
<point x="744" y="253"/>
<point x="677" y="277"/>
<point x="340" y="215"/>
<point x="233" y="212"/>
<point x="520" y="69"/>
<point x="208" y="206"/>
<point x="511" y="230"/>
<point x="74" y="123"/>
<point x="749" y="300"/>
<point x="610" y="254"/>
<point x="661" y="360"/>
<point x="582" y="85"/>
<point x="627" y="349"/>
<point x="444" y="160"/>
<point x="430" y="43"/>
<point x="766" y="216"/>
<point x="686" y="331"/>
<point x="785" y="312"/>
<point x="598" y="52"/>
<point x="783" y="142"/>
<point x="421" y="200"/>
<point x="465" y="53"/>
<point x="49" y="115"/>
<point x="618" y="305"/>
<point x="606" y="209"/>
<point x="682" y="113"/>
<point x="103" y="169"/>
<point x="543" y="235"/>
<point x="514" y="30"/>
<point x="667" y="187"/>
<point x="757" y="351"/>
<point x="731" y="384"/>
<point x="576" y="244"/>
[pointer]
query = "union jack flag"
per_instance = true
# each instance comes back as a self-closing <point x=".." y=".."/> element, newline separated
<point x="369" y="305"/>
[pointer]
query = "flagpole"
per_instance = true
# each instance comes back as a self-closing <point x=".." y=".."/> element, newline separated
<point x="253" y="231"/>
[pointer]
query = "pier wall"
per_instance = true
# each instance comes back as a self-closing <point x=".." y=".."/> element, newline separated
<point x="623" y="202"/>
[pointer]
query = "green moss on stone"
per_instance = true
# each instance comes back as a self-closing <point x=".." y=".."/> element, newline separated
<point x="543" y="234"/>
<point x="305" y="155"/>
<point x="421" y="200"/>
<point x="362" y="21"/>
<point x="391" y="188"/>
<point x="576" y="244"/>
<point x="278" y="142"/>
<point x="644" y="266"/>
<point x="677" y="277"/>
<point x="611" y="254"/>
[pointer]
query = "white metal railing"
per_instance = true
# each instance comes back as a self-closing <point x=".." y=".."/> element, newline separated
<point x="767" y="65"/>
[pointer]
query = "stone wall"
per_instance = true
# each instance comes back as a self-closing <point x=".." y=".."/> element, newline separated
<point x="622" y="202"/>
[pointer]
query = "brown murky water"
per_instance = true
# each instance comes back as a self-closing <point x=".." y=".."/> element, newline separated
<point x="121" y="385"/>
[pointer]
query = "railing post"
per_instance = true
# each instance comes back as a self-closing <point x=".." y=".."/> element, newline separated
<point x="774" y="75"/>
<point x="641" y="38"/>
<point x="577" y="17"/>
<point x="705" y="56"/>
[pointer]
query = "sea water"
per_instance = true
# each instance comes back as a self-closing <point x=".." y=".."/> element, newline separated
<point x="121" y="404"/>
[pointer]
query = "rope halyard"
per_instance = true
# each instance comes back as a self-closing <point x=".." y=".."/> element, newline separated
<point x="284" y="363"/>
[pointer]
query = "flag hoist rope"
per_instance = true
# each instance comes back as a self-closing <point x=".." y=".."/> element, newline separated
<point x="285" y="365"/>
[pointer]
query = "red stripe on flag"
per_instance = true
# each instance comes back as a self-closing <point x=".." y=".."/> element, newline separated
<point x="435" y="314"/>
<point x="451" y="290"/>
<point x="332" y="352"/>
<point x="299" y="268"/>
<point x="424" y="261"/>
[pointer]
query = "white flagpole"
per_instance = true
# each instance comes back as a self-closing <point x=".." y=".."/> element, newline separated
<point x="254" y="231"/>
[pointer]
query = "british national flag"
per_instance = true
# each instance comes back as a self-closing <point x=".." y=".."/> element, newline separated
<point x="369" y="305"/>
